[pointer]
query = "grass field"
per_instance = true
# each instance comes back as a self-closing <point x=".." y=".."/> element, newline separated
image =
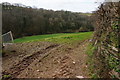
<point x="57" y="38"/>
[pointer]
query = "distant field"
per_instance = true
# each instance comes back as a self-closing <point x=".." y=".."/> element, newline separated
<point x="57" y="38"/>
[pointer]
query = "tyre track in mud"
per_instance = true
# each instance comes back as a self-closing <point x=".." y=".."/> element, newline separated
<point x="22" y="65"/>
<point x="64" y="70"/>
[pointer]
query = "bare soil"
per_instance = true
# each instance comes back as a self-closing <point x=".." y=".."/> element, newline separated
<point x="45" y="60"/>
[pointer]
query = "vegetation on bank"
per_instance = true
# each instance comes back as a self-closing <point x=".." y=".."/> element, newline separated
<point x="106" y="39"/>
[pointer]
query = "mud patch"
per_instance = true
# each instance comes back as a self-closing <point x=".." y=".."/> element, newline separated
<point x="47" y="60"/>
<point x="16" y="69"/>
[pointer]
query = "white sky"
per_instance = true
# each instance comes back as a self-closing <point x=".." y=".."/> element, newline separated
<point x="70" y="5"/>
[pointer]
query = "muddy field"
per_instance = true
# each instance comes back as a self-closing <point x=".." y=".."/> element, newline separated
<point x="45" y="60"/>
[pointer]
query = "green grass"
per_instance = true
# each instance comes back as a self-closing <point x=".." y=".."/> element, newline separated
<point x="90" y="61"/>
<point x="87" y="14"/>
<point x="90" y="49"/>
<point x="57" y="38"/>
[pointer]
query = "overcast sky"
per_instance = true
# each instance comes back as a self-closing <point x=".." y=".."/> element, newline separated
<point x="69" y="5"/>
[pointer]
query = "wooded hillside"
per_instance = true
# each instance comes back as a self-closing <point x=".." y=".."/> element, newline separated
<point x="25" y="21"/>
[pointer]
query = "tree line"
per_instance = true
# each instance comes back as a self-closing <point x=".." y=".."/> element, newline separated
<point x="27" y="21"/>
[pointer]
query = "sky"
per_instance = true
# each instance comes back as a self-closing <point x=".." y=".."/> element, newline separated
<point x="69" y="5"/>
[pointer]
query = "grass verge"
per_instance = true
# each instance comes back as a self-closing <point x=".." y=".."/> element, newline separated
<point x="90" y="52"/>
